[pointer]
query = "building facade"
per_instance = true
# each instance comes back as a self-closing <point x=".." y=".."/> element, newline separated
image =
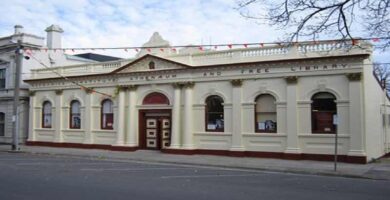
<point x="273" y="101"/>
<point x="8" y="46"/>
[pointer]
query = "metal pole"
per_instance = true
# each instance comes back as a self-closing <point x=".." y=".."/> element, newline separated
<point x="15" y="117"/>
<point x="335" y="150"/>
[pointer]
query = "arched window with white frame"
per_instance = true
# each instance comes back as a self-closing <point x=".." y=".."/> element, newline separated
<point x="323" y="113"/>
<point x="214" y="114"/>
<point x="265" y="114"/>
<point x="107" y="116"/>
<point x="75" y="115"/>
<point x="46" y="114"/>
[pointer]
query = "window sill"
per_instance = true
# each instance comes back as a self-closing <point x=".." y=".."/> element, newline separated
<point x="107" y="129"/>
<point x="104" y="131"/>
<point x="322" y="135"/>
<point x="44" y="129"/>
<point x="264" y="134"/>
<point x="214" y="133"/>
<point x="73" y="130"/>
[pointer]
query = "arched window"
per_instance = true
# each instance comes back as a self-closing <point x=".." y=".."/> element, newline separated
<point x="46" y="115"/>
<point x="107" y="119"/>
<point x="323" y="113"/>
<point x="214" y="114"/>
<point x="265" y="114"/>
<point x="151" y="65"/>
<point x="75" y="118"/>
<point x="2" y="121"/>
<point x="155" y="98"/>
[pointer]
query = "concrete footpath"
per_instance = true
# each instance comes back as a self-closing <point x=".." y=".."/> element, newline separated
<point x="379" y="169"/>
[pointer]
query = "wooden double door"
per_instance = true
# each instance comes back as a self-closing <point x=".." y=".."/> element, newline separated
<point x="156" y="130"/>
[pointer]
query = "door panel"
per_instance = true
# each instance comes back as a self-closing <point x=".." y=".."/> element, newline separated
<point x="151" y="133"/>
<point x="165" y="132"/>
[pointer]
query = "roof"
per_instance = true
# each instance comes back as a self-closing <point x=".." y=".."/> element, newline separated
<point x="97" y="57"/>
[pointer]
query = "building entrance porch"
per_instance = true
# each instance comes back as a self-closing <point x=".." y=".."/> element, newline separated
<point x="155" y="129"/>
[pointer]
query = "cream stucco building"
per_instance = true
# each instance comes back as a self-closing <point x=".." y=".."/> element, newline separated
<point x="8" y="46"/>
<point x="272" y="101"/>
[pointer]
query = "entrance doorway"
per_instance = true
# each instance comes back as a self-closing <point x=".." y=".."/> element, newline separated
<point x="155" y="132"/>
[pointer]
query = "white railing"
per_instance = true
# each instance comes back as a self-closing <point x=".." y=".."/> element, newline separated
<point x="282" y="51"/>
<point x="275" y="52"/>
<point x="323" y="46"/>
<point x="264" y="51"/>
<point x="74" y="70"/>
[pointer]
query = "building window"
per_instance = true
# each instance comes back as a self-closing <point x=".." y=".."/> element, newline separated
<point x="2" y="78"/>
<point x="75" y="118"/>
<point x="151" y="65"/>
<point x="46" y="115"/>
<point x="323" y="112"/>
<point x="107" y="119"/>
<point x="265" y="114"/>
<point x="155" y="98"/>
<point x="214" y="114"/>
<point x="2" y="127"/>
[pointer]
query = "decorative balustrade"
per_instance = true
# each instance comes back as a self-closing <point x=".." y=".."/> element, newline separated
<point x="323" y="46"/>
<point x="275" y="52"/>
<point x="74" y="70"/>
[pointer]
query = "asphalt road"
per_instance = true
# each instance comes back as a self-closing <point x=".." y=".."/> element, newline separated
<point x="29" y="176"/>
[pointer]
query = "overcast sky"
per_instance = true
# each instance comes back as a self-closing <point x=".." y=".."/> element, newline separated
<point x="105" y="23"/>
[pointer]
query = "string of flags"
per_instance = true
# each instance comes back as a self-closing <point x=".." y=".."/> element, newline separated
<point x="204" y="47"/>
<point x="82" y="87"/>
<point x="29" y="52"/>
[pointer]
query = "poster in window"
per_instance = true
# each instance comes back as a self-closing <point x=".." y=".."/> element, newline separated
<point x="76" y="122"/>
<point x="211" y="126"/>
<point x="218" y="124"/>
<point x="269" y="125"/>
<point x="108" y="119"/>
<point x="261" y="125"/>
<point x="47" y="121"/>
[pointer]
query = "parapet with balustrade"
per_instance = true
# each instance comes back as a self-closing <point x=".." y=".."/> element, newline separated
<point x="302" y="50"/>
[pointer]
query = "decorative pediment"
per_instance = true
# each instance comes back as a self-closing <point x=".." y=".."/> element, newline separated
<point x="150" y="63"/>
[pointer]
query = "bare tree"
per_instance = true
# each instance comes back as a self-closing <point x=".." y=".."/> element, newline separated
<point x="382" y="73"/>
<point x="344" y="19"/>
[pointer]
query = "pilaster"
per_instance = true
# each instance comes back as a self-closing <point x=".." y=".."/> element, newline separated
<point x="343" y="108"/>
<point x="292" y="115"/>
<point x="59" y="125"/>
<point x="237" y="116"/>
<point x="32" y="120"/>
<point x="175" y="134"/>
<point x="188" y="142"/>
<point x="120" y="132"/>
<point x="132" y="125"/>
<point x="89" y="117"/>
<point x="356" y="115"/>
